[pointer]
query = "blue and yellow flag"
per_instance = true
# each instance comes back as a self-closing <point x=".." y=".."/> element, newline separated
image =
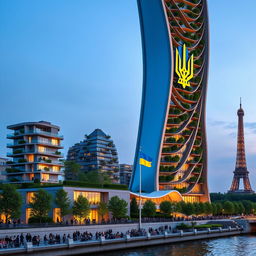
<point x="145" y="160"/>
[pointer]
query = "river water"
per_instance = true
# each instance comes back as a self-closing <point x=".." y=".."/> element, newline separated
<point x="244" y="245"/>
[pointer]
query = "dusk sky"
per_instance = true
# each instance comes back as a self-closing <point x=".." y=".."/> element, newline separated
<point x="78" y="64"/>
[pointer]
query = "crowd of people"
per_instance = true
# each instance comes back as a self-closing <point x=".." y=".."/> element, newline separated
<point x="77" y="236"/>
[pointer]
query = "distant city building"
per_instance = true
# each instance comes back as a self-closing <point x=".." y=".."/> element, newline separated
<point x="241" y="172"/>
<point x="125" y="171"/>
<point x="96" y="152"/>
<point x="35" y="153"/>
<point x="3" y="167"/>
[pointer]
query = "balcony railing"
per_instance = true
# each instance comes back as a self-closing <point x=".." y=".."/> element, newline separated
<point x="33" y="142"/>
<point x="55" y="153"/>
<point x="37" y="131"/>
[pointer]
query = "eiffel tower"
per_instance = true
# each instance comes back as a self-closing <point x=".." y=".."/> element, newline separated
<point x="241" y="171"/>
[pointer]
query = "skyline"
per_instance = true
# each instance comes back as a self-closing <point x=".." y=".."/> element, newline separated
<point x="55" y="53"/>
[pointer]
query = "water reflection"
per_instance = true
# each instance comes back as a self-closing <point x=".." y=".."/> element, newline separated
<point x="228" y="246"/>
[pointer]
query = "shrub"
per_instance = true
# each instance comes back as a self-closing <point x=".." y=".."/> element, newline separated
<point x="36" y="220"/>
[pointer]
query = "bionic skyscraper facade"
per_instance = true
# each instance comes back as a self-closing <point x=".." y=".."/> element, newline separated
<point x="172" y="122"/>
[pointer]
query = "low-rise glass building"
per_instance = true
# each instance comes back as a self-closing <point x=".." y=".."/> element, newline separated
<point x="94" y="196"/>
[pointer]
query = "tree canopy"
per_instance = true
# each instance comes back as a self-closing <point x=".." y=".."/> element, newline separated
<point x="81" y="208"/>
<point x="72" y="170"/>
<point x="102" y="209"/>
<point x="63" y="202"/>
<point x="118" y="207"/>
<point x="134" y="208"/>
<point x="10" y="202"/>
<point x="95" y="177"/>
<point x="166" y="207"/>
<point x="41" y="204"/>
<point x="149" y="209"/>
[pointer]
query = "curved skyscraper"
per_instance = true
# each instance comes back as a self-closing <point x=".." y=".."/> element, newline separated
<point x="172" y="122"/>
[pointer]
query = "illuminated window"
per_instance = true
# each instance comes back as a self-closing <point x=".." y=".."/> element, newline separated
<point x="56" y="215"/>
<point x="56" y="168"/>
<point x="41" y="149"/>
<point x="55" y="142"/>
<point x="191" y="199"/>
<point x="45" y="177"/>
<point x="94" y="216"/>
<point x="30" y="196"/>
<point x="92" y="197"/>
<point x="31" y="158"/>
<point x="31" y="176"/>
<point x="28" y="214"/>
<point x="41" y="166"/>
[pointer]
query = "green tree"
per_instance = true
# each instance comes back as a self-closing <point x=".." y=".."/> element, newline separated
<point x="63" y="202"/>
<point x="236" y="208"/>
<point x="72" y="170"/>
<point x="218" y="208"/>
<point x="202" y="206"/>
<point x="134" y="208"/>
<point x="41" y="204"/>
<point x="10" y="202"/>
<point x="248" y="206"/>
<point x="81" y="208"/>
<point x="208" y="208"/>
<point x="198" y="208"/>
<point x="228" y="207"/>
<point x="188" y="209"/>
<point x="149" y="209"/>
<point x="102" y="209"/>
<point x="95" y="177"/>
<point x="214" y="209"/>
<point x="118" y="207"/>
<point x="166" y="207"/>
<point x="241" y="208"/>
<point x="178" y="206"/>
<point x="254" y="208"/>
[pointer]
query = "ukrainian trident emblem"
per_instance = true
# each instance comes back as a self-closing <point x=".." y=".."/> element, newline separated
<point x="184" y="68"/>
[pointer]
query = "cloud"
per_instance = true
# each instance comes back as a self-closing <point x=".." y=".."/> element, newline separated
<point x="250" y="127"/>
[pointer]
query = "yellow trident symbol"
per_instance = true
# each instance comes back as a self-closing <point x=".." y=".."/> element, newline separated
<point x="184" y="70"/>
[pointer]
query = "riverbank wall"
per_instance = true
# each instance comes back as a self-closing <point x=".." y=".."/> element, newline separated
<point x="101" y="246"/>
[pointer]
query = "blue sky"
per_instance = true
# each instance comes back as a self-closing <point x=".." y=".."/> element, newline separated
<point x="78" y="64"/>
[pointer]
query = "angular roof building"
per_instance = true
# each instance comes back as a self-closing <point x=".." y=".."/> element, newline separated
<point x="96" y="152"/>
<point x="172" y="122"/>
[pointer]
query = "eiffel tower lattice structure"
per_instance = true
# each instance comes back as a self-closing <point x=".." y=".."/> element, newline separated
<point x="241" y="171"/>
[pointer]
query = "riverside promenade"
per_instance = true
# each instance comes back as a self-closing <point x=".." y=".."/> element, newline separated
<point x="153" y="234"/>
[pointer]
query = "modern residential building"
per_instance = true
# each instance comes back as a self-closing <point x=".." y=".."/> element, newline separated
<point x="241" y="172"/>
<point x="96" y="152"/>
<point x="3" y="166"/>
<point x="172" y="127"/>
<point x="125" y="171"/>
<point x="94" y="196"/>
<point x="35" y="153"/>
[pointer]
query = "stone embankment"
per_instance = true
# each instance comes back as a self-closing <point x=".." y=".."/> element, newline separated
<point x="102" y="245"/>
